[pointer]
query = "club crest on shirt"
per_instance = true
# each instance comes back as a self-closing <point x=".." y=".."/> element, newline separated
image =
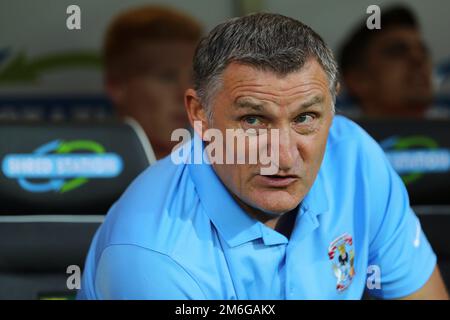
<point x="341" y="253"/>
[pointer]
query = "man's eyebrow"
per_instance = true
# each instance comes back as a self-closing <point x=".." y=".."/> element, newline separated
<point x="314" y="100"/>
<point x="247" y="104"/>
<point x="257" y="106"/>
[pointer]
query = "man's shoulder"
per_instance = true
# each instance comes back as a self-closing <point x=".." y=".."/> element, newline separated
<point x="158" y="205"/>
<point x="348" y="138"/>
<point x="151" y="189"/>
<point x="156" y="179"/>
<point x="344" y="130"/>
<point x="362" y="163"/>
<point x="355" y="160"/>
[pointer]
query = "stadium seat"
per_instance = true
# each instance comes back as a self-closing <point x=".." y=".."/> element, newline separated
<point x="57" y="182"/>
<point x="420" y="152"/>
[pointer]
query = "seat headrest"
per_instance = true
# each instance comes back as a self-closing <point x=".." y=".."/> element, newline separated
<point x="419" y="150"/>
<point x="72" y="168"/>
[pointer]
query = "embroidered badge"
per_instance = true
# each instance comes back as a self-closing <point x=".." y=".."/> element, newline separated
<point x="342" y="255"/>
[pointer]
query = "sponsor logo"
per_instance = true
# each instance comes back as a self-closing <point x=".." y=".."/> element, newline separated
<point x="61" y="166"/>
<point x="414" y="156"/>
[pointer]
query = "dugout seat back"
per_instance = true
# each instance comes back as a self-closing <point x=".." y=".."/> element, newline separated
<point x="420" y="152"/>
<point x="57" y="181"/>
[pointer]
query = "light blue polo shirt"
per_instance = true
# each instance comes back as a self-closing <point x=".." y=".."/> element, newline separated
<point x="176" y="233"/>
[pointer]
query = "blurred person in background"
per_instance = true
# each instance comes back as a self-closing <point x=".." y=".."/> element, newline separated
<point x="388" y="71"/>
<point x="147" y="55"/>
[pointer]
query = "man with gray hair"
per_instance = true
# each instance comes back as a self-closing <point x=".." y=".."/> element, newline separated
<point x="332" y="222"/>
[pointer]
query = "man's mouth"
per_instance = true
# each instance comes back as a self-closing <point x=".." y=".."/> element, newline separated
<point x="277" y="181"/>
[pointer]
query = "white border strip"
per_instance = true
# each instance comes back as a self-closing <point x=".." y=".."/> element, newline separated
<point x="148" y="150"/>
<point x="53" y="218"/>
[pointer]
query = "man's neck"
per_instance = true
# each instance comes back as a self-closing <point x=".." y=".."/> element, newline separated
<point x="280" y="222"/>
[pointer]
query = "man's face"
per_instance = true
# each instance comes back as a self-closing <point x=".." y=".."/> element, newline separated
<point x="299" y="106"/>
<point x="398" y="74"/>
<point x="154" y="94"/>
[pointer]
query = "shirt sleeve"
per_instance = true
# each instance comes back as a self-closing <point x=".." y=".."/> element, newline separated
<point x="398" y="246"/>
<point x="136" y="273"/>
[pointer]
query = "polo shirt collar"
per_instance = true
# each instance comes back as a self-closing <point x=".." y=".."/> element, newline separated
<point x="232" y="222"/>
<point x="316" y="200"/>
<point x="314" y="204"/>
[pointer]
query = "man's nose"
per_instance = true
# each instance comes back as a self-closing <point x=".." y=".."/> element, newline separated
<point x="288" y="152"/>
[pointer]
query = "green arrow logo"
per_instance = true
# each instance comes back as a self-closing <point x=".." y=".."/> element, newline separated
<point x="21" y="69"/>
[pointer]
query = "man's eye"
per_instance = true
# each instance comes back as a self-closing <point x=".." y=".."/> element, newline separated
<point x="304" y="119"/>
<point x="252" y="121"/>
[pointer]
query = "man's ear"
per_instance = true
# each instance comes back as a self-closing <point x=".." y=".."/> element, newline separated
<point x="338" y="88"/>
<point x="195" y="111"/>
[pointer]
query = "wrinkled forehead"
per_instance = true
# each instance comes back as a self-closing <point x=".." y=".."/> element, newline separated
<point x="240" y="80"/>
